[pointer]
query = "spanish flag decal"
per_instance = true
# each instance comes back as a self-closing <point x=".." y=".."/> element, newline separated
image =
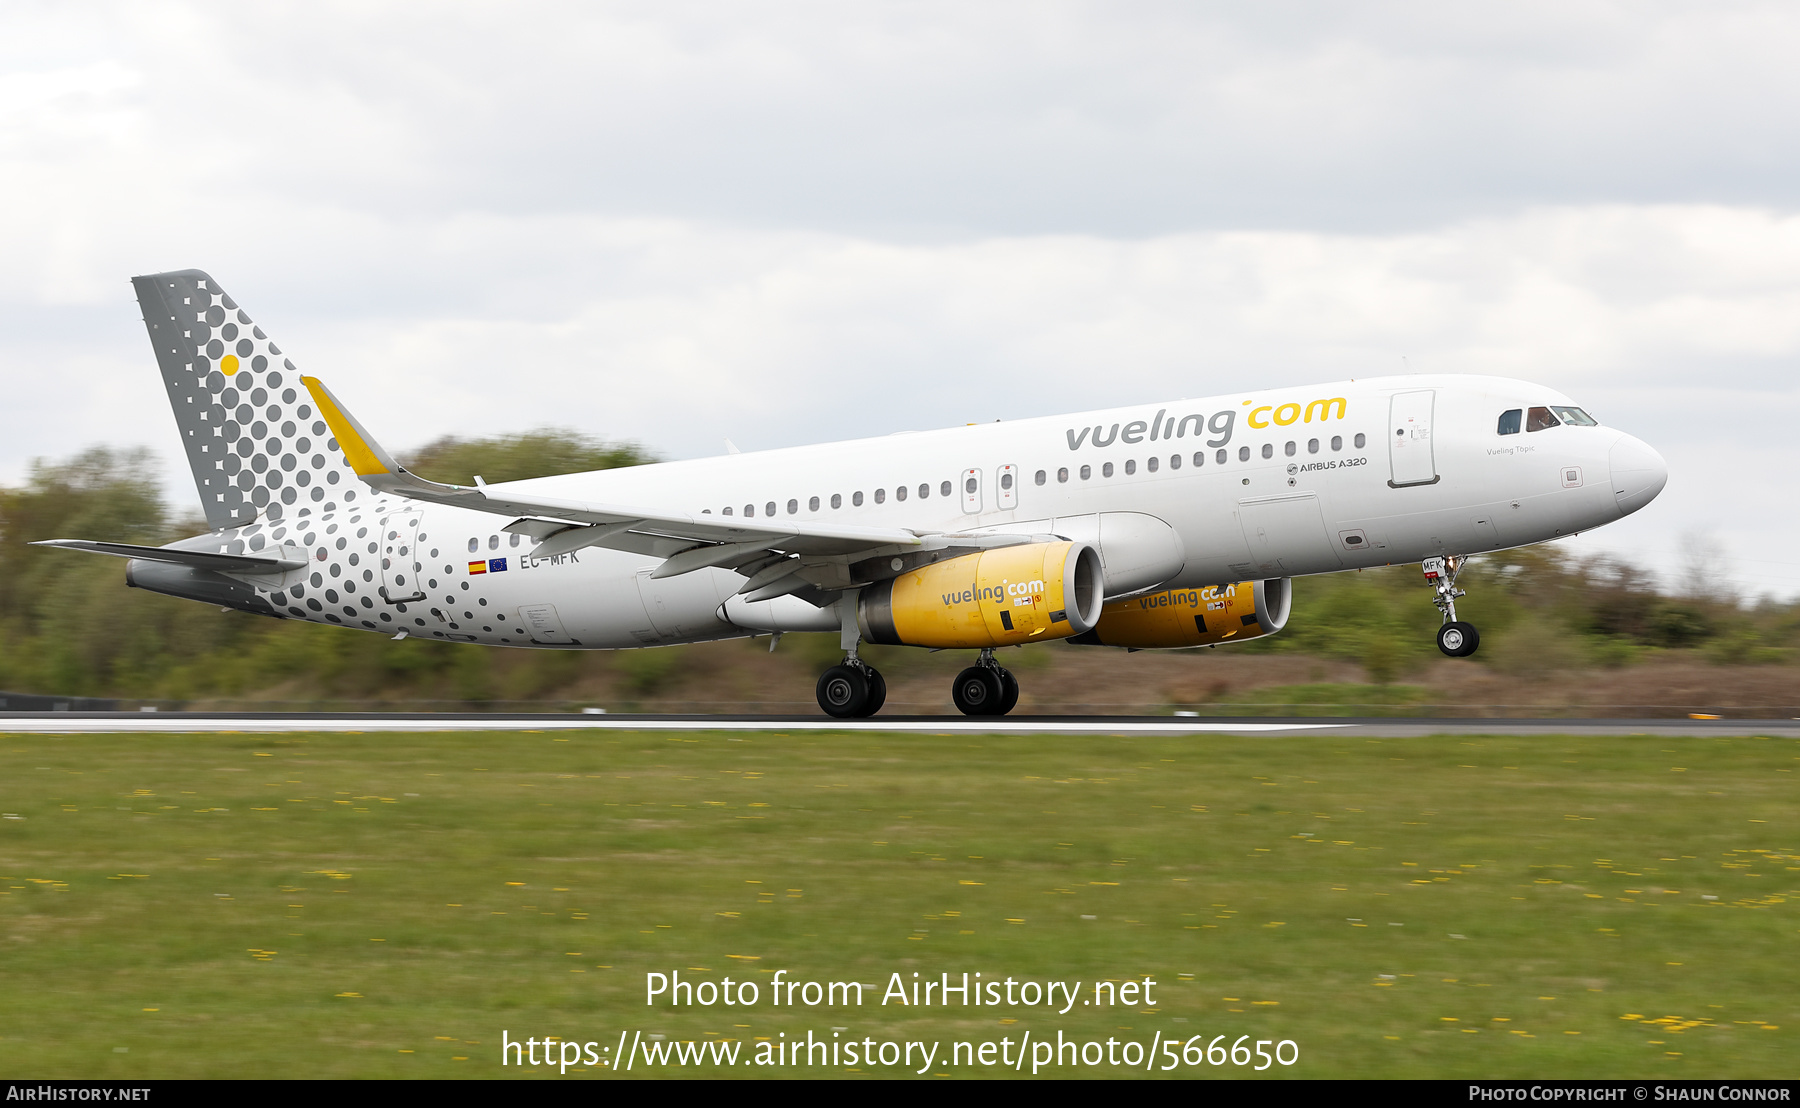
<point x="477" y="567"/>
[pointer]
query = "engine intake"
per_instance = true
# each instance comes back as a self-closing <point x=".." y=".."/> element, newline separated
<point x="1194" y="617"/>
<point x="1003" y="597"/>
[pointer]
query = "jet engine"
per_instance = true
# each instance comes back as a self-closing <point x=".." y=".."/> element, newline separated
<point x="1194" y="617"/>
<point x="1002" y="597"/>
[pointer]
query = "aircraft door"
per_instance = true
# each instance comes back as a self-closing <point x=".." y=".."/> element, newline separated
<point x="971" y="490"/>
<point x="400" y="576"/>
<point x="1410" y="454"/>
<point x="1008" y="496"/>
<point x="1287" y="535"/>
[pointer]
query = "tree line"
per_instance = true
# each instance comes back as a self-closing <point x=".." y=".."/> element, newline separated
<point x="69" y="626"/>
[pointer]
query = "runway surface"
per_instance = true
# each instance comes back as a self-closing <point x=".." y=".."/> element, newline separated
<point x="351" y="723"/>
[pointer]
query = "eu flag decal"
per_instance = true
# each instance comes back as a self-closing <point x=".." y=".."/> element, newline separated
<point x="496" y="565"/>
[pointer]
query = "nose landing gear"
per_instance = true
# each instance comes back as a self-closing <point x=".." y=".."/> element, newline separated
<point x="1455" y="638"/>
<point x="985" y="688"/>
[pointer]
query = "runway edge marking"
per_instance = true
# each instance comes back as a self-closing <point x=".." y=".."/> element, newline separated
<point x="51" y="725"/>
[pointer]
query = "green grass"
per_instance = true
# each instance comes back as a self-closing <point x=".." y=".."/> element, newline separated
<point x="229" y="905"/>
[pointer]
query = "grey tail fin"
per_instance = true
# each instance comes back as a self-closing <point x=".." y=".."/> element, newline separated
<point x="257" y="448"/>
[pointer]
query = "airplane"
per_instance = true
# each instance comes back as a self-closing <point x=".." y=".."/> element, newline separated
<point x="1172" y="524"/>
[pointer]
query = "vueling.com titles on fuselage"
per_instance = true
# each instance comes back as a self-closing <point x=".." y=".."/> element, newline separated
<point x="1219" y="424"/>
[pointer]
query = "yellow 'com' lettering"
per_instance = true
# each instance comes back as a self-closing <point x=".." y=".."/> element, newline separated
<point x="1324" y="408"/>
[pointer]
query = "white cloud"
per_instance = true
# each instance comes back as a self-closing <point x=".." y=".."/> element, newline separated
<point x="662" y="223"/>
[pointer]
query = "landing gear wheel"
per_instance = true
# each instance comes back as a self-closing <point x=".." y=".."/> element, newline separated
<point x="1009" y="695"/>
<point x="877" y="691"/>
<point x="978" y="691"/>
<point x="843" y="692"/>
<point x="1458" y="639"/>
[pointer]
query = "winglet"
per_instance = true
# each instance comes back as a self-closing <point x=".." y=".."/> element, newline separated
<point x="374" y="465"/>
<point x="364" y="454"/>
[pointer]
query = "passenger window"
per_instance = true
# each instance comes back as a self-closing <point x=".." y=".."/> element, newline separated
<point x="474" y="544"/>
<point x="493" y="542"/>
<point x="881" y="496"/>
<point x="1006" y="481"/>
<point x="900" y="493"/>
<point x="1130" y="466"/>
<point x="856" y="500"/>
<point x="1540" y="419"/>
<point x="1218" y="458"/>
<point x="727" y="511"/>
<point x="1039" y="478"/>
<point x="769" y="509"/>
<point x="514" y="539"/>
<point x="793" y="507"/>
<point x="1361" y="439"/>
<point x="1312" y="446"/>
<point x="1151" y="463"/>
<point x="1106" y="470"/>
<point x="1062" y="476"/>
<point x="944" y="489"/>
<point x="1337" y="442"/>
<point x="1289" y="448"/>
<point x="1268" y="450"/>
<point x="749" y="510"/>
<point x="924" y="490"/>
<point x="1243" y="453"/>
<point x="1086" y="472"/>
<point x="969" y="486"/>
<point x="837" y="500"/>
<point x="1175" y="461"/>
<point x="1509" y="422"/>
<point x="1574" y="417"/>
<point x="813" y="504"/>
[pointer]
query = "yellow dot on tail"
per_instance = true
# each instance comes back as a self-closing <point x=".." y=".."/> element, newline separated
<point x="228" y="365"/>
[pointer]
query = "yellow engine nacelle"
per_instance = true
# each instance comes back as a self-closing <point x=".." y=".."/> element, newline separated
<point x="1002" y="597"/>
<point x="1194" y="617"/>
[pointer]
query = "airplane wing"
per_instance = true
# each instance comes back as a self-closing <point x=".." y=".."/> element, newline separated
<point x="199" y="559"/>
<point x="778" y="557"/>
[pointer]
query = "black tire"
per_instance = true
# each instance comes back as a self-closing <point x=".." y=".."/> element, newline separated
<point x="1458" y="640"/>
<point x="877" y="691"/>
<point x="1009" y="694"/>
<point x="978" y="691"/>
<point x="843" y="692"/>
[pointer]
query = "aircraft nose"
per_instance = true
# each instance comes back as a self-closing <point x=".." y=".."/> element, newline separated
<point x="1638" y="473"/>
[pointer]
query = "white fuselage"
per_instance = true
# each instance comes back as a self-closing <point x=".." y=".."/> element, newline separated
<point x="1280" y="483"/>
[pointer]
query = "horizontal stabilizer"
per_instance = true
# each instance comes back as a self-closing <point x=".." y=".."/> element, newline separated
<point x="199" y="559"/>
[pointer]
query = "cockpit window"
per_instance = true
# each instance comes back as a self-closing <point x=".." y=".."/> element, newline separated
<point x="1574" y="417"/>
<point x="1540" y="419"/>
<point x="1509" y="422"/>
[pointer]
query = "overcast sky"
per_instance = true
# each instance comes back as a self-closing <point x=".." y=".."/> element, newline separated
<point x="792" y="223"/>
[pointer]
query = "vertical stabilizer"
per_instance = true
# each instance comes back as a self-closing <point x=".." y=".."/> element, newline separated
<point x="257" y="448"/>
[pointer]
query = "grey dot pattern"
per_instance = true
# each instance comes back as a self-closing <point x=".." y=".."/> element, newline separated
<point x="264" y="463"/>
<point x="236" y="397"/>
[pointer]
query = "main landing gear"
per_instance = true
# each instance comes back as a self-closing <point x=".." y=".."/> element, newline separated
<point x="1455" y="638"/>
<point x="852" y="689"/>
<point x="985" y="688"/>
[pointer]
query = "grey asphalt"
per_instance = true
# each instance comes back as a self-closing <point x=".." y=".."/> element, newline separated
<point x="1334" y="727"/>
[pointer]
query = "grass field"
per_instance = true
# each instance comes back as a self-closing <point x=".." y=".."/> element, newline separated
<point x="385" y="906"/>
